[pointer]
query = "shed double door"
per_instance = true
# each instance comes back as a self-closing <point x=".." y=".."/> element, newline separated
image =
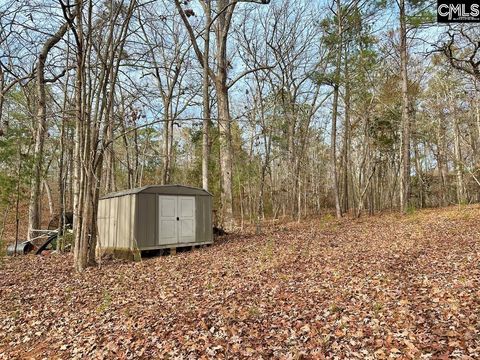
<point x="176" y="219"/>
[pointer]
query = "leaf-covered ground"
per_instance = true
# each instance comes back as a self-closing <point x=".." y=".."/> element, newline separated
<point x="375" y="288"/>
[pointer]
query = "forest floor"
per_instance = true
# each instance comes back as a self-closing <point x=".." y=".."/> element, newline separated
<point x="378" y="287"/>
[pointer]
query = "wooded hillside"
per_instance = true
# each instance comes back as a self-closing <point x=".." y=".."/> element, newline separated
<point x="281" y="109"/>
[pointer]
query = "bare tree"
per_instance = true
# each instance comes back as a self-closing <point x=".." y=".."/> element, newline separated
<point x="405" y="126"/>
<point x="221" y="23"/>
<point x="95" y="99"/>
<point x="34" y="207"/>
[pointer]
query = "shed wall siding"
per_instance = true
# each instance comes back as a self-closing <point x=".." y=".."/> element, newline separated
<point x="107" y="222"/>
<point x="102" y="221"/>
<point x="203" y="213"/>
<point x="146" y="226"/>
<point x="116" y="222"/>
<point x="125" y="209"/>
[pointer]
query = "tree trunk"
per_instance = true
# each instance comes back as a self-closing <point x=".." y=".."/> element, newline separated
<point x="62" y="165"/>
<point x="442" y="160"/>
<point x="419" y="174"/>
<point x="225" y="155"/>
<point x="206" y="98"/>
<point x="346" y="142"/>
<point x="333" y="152"/>
<point x="61" y="187"/>
<point x="336" y="91"/>
<point x="224" y="120"/>
<point x="3" y="125"/>
<point x="79" y="254"/>
<point x="110" y="160"/>
<point x="166" y="147"/>
<point x="34" y="208"/>
<point x="477" y="123"/>
<point x="461" y="198"/>
<point x="405" y="124"/>
<point x="51" y="207"/>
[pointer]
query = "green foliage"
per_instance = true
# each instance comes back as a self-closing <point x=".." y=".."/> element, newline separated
<point x="422" y="17"/>
<point x="383" y="130"/>
<point x="356" y="40"/>
<point x="15" y="159"/>
<point x="419" y="13"/>
<point x="66" y="240"/>
<point x="325" y="78"/>
<point x="106" y="302"/>
<point x="411" y="209"/>
<point x="377" y="307"/>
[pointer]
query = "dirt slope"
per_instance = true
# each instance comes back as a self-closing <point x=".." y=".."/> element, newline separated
<point x="374" y="288"/>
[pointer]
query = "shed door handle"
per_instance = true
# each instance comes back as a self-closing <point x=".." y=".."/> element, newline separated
<point x="178" y="218"/>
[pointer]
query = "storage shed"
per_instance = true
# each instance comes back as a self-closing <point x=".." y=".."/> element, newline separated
<point x="154" y="217"/>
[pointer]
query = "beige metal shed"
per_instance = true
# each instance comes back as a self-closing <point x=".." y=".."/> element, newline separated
<point x="154" y="217"/>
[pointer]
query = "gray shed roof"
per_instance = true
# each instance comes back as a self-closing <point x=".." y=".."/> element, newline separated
<point x="160" y="189"/>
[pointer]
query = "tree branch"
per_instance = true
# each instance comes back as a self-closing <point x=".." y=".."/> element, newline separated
<point x="246" y="72"/>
